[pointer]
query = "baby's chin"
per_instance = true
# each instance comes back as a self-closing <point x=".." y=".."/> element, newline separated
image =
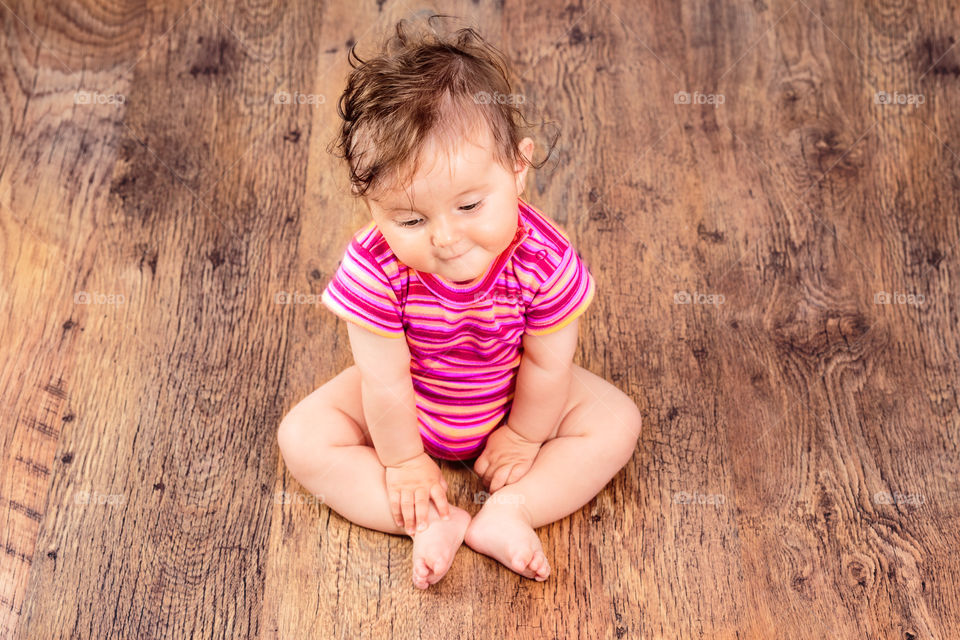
<point x="471" y="270"/>
<point x="457" y="276"/>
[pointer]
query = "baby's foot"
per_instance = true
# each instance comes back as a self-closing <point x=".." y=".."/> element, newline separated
<point x="435" y="547"/>
<point x="503" y="532"/>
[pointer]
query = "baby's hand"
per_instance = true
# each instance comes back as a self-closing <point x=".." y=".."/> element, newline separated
<point x="506" y="458"/>
<point x="410" y="486"/>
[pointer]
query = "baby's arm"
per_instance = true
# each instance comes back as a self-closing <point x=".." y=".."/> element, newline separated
<point x="386" y="391"/>
<point x="543" y="382"/>
<point x="543" y="385"/>
<point x="390" y="411"/>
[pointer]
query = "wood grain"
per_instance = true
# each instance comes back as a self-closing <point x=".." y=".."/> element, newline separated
<point x="744" y="200"/>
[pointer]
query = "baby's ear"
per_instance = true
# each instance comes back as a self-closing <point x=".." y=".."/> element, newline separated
<point x="520" y="169"/>
<point x="526" y="147"/>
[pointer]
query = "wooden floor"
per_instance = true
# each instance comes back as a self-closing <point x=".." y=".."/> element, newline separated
<point x="775" y="244"/>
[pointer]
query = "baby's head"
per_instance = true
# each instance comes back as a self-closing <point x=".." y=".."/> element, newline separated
<point x="431" y="135"/>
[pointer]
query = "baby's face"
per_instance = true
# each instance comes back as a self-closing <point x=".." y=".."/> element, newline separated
<point x="464" y="211"/>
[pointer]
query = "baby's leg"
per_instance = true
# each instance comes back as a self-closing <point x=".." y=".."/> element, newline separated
<point x="596" y="437"/>
<point x="326" y="447"/>
<point x="332" y="456"/>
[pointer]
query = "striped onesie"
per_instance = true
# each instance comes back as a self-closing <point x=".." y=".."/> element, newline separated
<point x="464" y="339"/>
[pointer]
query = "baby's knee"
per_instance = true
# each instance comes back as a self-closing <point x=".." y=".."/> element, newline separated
<point x="632" y="418"/>
<point x="626" y="415"/>
<point x="298" y="439"/>
<point x="290" y="436"/>
<point x="310" y="434"/>
<point x="630" y="423"/>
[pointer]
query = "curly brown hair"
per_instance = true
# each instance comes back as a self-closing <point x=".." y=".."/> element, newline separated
<point x="425" y="86"/>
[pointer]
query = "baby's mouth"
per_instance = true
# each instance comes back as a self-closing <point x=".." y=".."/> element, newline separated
<point x="459" y="255"/>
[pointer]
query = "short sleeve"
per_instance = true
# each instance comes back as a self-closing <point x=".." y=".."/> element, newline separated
<point x="360" y="292"/>
<point x="562" y="297"/>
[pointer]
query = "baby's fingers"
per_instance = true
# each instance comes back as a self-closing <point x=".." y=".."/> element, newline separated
<point x="500" y="477"/>
<point x="422" y="507"/>
<point x="406" y="505"/>
<point x="518" y="472"/>
<point x="480" y="466"/>
<point x="395" y="508"/>
<point x="439" y="495"/>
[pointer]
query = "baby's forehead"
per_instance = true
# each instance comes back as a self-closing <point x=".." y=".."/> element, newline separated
<point x="464" y="164"/>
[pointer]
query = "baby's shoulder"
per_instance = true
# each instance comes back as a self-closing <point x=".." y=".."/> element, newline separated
<point x="369" y="248"/>
<point x="544" y="231"/>
<point x="546" y="248"/>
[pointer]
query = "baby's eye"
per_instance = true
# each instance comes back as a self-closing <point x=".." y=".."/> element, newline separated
<point x="471" y="207"/>
<point x="409" y="223"/>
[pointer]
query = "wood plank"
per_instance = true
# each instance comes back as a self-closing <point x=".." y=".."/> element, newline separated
<point x="51" y="171"/>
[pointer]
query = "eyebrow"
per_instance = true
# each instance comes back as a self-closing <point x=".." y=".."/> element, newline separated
<point x="480" y="187"/>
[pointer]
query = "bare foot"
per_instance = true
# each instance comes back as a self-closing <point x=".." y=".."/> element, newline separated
<point x="503" y="532"/>
<point x="435" y="547"/>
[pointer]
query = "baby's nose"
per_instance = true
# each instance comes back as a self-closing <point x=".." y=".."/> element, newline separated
<point x="444" y="236"/>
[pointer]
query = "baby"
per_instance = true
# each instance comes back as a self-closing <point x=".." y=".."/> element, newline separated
<point x="462" y="304"/>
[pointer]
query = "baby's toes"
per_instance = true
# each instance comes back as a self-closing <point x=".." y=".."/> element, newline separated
<point x="538" y="561"/>
<point x="521" y="562"/>
<point x="540" y="565"/>
<point x="441" y="562"/>
<point x="420" y="573"/>
<point x="420" y="567"/>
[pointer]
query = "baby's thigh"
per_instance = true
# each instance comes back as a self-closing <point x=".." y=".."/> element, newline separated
<point x="314" y="422"/>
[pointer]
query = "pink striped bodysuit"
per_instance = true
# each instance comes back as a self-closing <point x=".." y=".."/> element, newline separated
<point x="464" y="339"/>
